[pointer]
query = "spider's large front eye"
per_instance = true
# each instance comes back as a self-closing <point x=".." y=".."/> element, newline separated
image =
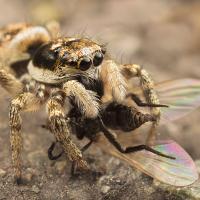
<point x="45" y="57"/>
<point x="98" y="58"/>
<point x="85" y="63"/>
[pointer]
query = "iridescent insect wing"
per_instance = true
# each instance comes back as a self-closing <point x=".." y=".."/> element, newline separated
<point x="182" y="96"/>
<point x="178" y="172"/>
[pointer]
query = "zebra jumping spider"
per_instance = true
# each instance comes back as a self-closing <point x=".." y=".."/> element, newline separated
<point x="38" y="68"/>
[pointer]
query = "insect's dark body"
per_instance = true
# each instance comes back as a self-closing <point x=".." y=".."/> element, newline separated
<point x="114" y="115"/>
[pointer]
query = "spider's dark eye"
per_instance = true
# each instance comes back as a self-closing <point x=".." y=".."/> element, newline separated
<point x="64" y="58"/>
<point x="85" y="63"/>
<point x="103" y="49"/>
<point x="72" y="63"/>
<point x="98" y="58"/>
<point x="45" y="57"/>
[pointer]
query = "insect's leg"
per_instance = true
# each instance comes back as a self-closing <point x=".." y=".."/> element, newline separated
<point x="73" y="167"/>
<point x="147" y="85"/>
<point x="139" y="102"/>
<point x="50" y="152"/>
<point x="60" y="128"/>
<point x="23" y="102"/>
<point x="84" y="148"/>
<point x="86" y="100"/>
<point x="112" y="139"/>
<point x="113" y="81"/>
<point x="10" y="83"/>
<point x="51" y="148"/>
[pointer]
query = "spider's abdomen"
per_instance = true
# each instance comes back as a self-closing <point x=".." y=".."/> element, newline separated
<point x="18" y="42"/>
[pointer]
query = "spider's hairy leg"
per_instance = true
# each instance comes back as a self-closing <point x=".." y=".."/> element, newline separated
<point x="60" y="128"/>
<point x="113" y="81"/>
<point x="23" y="102"/>
<point x="10" y="83"/>
<point x="147" y="84"/>
<point x="85" y="99"/>
<point x="83" y="149"/>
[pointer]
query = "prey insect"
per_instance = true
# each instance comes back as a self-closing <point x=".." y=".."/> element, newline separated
<point x="156" y="161"/>
<point x="183" y="97"/>
<point x="40" y="69"/>
<point x="114" y="116"/>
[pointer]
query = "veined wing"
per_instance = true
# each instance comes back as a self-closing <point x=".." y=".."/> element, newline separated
<point x="182" y="96"/>
<point x="179" y="172"/>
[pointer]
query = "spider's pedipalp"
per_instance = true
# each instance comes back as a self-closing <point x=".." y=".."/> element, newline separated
<point x="147" y="84"/>
<point x="10" y="83"/>
<point x="60" y="128"/>
<point x="114" y="82"/>
<point x="85" y="99"/>
<point x="23" y="102"/>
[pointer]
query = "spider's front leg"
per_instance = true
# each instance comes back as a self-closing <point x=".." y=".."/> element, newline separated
<point x="115" y="86"/>
<point x="60" y="128"/>
<point x="114" y="78"/>
<point x="113" y="81"/>
<point x="86" y="100"/>
<point x="23" y="102"/>
<point x="147" y="85"/>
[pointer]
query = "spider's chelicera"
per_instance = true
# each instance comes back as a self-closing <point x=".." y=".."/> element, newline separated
<point x="41" y="69"/>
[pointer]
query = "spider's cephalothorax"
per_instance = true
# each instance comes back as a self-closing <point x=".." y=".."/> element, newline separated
<point x="63" y="59"/>
<point x="38" y="69"/>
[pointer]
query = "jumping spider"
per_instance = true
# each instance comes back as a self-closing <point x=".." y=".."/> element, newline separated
<point x="61" y="72"/>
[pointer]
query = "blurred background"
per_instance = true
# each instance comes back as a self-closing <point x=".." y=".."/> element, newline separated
<point x="161" y="35"/>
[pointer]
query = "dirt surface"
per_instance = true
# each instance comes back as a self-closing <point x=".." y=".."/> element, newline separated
<point x="161" y="35"/>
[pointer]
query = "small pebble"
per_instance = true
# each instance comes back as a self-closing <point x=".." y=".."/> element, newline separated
<point x="2" y="173"/>
<point x="105" y="189"/>
<point x="118" y="181"/>
<point x="28" y="177"/>
<point x="35" y="189"/>
<point x="30" y="173"/>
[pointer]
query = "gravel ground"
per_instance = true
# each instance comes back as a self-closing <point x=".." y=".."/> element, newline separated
<point x="161" y="35"/>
